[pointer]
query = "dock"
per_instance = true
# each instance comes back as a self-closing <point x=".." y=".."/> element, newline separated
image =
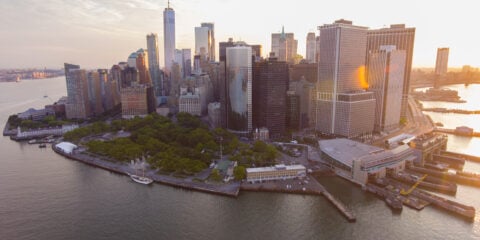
<point x="464" y="178"/>
<point x="347" y="213"/>
<point x="454" y="132"/>
<point x="461" y="155"/>
<point x="459" y="209"/>
<point x="428" y="183"/>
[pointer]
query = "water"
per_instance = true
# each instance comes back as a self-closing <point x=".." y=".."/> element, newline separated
<point x="45" y="196"/>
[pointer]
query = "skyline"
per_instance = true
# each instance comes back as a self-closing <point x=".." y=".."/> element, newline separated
<point x="56" y="31"/>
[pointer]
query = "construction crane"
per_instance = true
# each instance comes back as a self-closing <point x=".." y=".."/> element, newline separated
<point x="403" y="192"/>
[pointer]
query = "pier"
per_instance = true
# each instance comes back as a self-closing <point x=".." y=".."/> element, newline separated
<point x="308" y="186"/>
<point x="461" y="155"/>
<point x="457" y="177"/>
<point x="340" y="206"/>
<point x="454" y="132"/>
<point x="465" y="211"/>
<point x="446" y="110"/>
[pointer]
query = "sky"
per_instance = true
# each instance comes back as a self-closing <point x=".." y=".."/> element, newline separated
<point x="100" y="33"/>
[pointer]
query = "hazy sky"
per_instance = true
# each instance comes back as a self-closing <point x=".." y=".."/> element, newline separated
<point x="94" y="34"/>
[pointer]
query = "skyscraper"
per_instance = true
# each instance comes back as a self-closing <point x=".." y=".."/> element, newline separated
<point x="152" y="49"/>
<point x="202" y="41"/>
<point x="142" y="67"/>
<point x="169" y="37"/>
<point x="77" y="106"/>
<point x="211" y="47"/>
<point x="95" y="93"/>
<point x="222" y="49"/>
<point x="187" y="62"/>
<point x="403" y="38"/>
<point x="311" y="48"/>
<point x="284" y="46"/>
<point x="385" y="74"/>
<point x="270" y="83"/>
<point x="343" y="107"/>
<point x="441" y="66"/>
<point x="239" y="89"/>
<point x="153" y="62"/>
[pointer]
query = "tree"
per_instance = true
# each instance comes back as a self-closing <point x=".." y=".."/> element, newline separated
<point x="239" y="172"/>
<point x="215" y="175"/>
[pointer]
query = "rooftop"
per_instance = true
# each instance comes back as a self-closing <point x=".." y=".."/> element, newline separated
<point x="66" y="147"/>
<point x="276" y="168"/>
<point x="345" y="150"/>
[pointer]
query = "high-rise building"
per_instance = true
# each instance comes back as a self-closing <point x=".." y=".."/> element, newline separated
<point x="95" y="93"/>
<point x="169" y="37"/>
<point x="343" y="107"/>
<point x="211" y="46"/>
<point x="311" y="48"/>
<point x="152" y="49"/>
<point x="137" y="100"/>
<point x="307" y="71"/>
<point x="222" y="49"/>
<point x="190" y="103"/>
<point x="202" y="42"/>
<point x="179" y="61"/>
<point x="132" y="60"/>
<point x="142" y="67"/>
<point x="187" y="62"/>
<point x="239" y="89"/>
<point x="305" y="90"/>
<point x="129" y="76"/>
<point x="293" y="110"/>
<point x="153" y="63"/>
<point x="385" y="74"/>
<point x="403" y="38"/>
<point x="317" y="50"/>
<point x="441" y="66"/>
<point x="270" y="84"/>
<point x="284" y="46"/>
<point x="78" y="105"/>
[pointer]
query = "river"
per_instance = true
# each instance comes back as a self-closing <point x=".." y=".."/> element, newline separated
<point x="45" y="196"/>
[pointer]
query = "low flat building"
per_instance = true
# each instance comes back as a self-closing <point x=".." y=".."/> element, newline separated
<point x="360" y="162"/>
<point x="277" y="172"/>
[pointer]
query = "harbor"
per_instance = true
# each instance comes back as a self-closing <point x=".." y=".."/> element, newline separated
<point x="388" y="188"/>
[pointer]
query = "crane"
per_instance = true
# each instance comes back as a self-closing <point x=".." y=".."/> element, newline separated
<point x="403" y="192"/>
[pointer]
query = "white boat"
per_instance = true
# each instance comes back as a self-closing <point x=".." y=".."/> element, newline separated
<point x="140" y="179"/>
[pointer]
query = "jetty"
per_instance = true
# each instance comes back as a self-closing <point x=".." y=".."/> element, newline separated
<point x="457" y="177"/>
<point x="307" y="186"/>
<point x="461" y="155"/>
<point x="465" y="211"/>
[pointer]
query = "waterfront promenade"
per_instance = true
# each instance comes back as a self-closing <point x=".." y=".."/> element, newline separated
<point x="230" y="189"/>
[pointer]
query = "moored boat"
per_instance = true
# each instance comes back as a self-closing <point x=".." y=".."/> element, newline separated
<point x="140" y="179"/>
